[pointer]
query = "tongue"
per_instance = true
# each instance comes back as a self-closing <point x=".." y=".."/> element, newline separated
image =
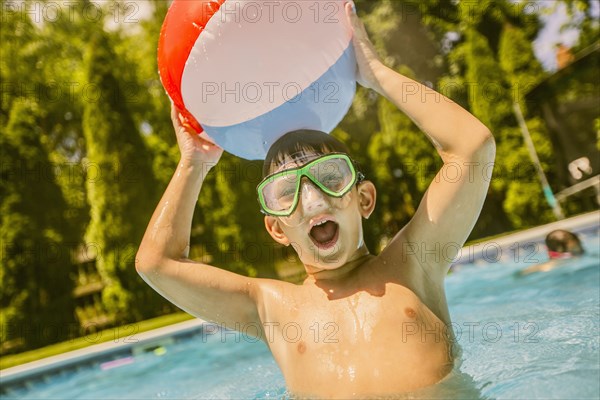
<point x="324" y="233"/>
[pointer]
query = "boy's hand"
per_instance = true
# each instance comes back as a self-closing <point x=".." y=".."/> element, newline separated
<point x="193" y="148"/>
<point x="366" y="56"/>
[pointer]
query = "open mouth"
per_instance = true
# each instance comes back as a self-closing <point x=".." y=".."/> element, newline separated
<point x="324" y="234"/>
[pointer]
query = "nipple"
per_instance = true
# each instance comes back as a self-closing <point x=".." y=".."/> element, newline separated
<point x="410" y="313"/>
<point x="301" y="347"/>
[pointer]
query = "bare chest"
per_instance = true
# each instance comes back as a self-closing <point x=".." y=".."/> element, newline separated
<point x="365" y="340"/>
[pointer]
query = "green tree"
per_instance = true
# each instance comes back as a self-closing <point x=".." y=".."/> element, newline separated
<point x="121" y="188"/>
<point x="525" y="203"/>
<point x="59" y="51"/>
<point x="36" y="259"/>
<point x="149" y="105"/>
<point x="17" y="63"/>
<point x="491" y="65"/>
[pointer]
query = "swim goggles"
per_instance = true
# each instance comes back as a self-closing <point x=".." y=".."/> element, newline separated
<point x="333" y="173"/>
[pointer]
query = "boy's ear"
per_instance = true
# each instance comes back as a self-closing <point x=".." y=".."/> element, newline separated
<point x="274" y="228"/>
<point x="367" y="197"/>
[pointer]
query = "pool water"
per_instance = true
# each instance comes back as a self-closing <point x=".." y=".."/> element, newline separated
<point x="533" y="336"/>
<point x="201" y="367"/>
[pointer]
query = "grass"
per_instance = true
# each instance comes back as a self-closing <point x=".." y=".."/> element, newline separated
<point x="106" y="335"/>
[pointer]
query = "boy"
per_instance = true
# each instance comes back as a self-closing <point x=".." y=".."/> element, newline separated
<point x="562" y="245"/>
<point x="360" y="325"/>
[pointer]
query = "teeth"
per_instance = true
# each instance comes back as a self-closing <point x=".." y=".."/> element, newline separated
<point x="321" y="223"/>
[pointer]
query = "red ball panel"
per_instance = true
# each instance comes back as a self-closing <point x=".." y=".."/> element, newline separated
<point x="183" y="23"/>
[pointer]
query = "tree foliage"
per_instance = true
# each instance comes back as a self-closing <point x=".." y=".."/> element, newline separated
<point x="491" y="66"/>
<point x="121" y="192"/>
<point x="36" y="266"/>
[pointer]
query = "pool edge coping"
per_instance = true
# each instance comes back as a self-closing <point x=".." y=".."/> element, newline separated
<point x="474" y="252"/>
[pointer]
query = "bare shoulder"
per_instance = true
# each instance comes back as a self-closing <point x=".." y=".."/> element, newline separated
<point x="407" y="256"/>
<point x="274" y="294"/>
<point x="403" y="261"/>
<point x="274" y="287"/>
<point x="545" y="267"/>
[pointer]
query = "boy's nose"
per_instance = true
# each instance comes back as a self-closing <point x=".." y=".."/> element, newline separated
<point x="312" y="198"/>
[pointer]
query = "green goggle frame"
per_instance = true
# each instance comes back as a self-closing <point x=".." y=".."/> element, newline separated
<point x="294" y="176"/>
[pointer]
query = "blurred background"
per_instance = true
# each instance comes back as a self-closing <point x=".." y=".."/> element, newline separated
<point x="87" y="146"/>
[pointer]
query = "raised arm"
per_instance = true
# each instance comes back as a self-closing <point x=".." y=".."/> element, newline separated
<point x="454" y="199"/>
<point x="207" y="292"/>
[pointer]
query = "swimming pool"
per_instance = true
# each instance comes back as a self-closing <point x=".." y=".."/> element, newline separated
<point x="534" y="336"/>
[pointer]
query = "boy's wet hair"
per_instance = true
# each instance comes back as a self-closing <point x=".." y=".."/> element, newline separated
<point x="563" y="241"/>
<point x="294" y="145"/>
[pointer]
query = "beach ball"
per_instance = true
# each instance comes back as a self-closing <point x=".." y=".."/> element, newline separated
<point x="245" y="72"/>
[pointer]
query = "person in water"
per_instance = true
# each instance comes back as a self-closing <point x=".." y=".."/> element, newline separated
<point x="361" y="324"/>
<point x="562" y="245"/>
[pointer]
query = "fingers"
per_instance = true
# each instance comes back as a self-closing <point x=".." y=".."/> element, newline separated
<point x="351" y="14"/>
<point x="190" y="142"/>
<point x="179" y="121"/>
<point x="174" y="114"/>
<point x="350" y="7"/>
<point x="358" y="27"/>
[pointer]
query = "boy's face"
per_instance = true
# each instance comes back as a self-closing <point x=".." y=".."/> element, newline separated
<point x="325" y="231"/>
